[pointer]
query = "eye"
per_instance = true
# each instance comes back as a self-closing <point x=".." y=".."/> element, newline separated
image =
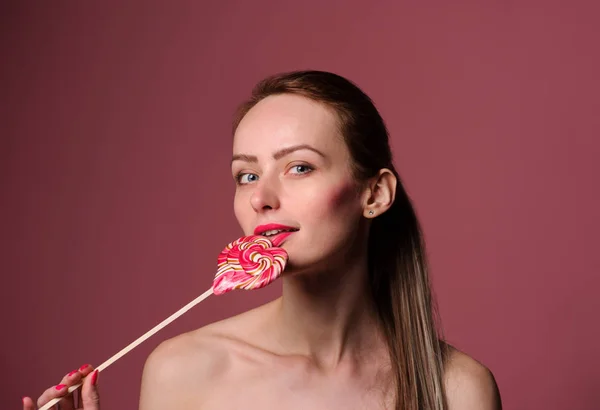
<point x="301" y="169"/>
<point x="244" y="178"/>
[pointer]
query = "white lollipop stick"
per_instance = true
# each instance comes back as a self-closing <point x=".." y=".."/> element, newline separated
<point x="135" y="343"/>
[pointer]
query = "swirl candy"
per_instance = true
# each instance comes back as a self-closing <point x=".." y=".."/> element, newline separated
<point x="250" y="262"/>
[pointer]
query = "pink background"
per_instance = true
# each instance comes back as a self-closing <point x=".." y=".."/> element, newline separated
<point x="117" y="196"/>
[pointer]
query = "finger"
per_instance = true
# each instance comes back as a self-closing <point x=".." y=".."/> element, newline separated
<point x="28" y="404"/>
<point x="71" y="378"/>
<point x="83" y="371"/>
<point x="59" y="390"/>
<point x="86" y="369"/>
<point x="90" y="397"/>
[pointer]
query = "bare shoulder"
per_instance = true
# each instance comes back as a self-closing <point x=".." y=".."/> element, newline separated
<point x="186" y="367"/>
<point x="177" y="365"/>
<point x="469" y="384"/>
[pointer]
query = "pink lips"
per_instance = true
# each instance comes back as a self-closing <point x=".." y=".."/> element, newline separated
<point x="278" y="239"/>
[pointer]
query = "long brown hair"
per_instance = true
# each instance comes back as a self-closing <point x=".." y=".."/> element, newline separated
<point x="398" y="274"/>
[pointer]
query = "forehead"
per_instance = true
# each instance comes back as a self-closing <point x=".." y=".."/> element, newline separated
<point x="284" y="120"/>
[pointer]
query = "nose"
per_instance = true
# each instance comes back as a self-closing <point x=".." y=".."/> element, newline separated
<point x="265" y="196"/>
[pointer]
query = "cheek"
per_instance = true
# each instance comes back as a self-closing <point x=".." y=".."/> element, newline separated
<point x="342" y="199"/>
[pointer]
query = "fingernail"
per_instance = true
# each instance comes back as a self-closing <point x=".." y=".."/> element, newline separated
<point x="83" y="367"/>
<point x="94" y="377"/>
<point x="60" y="386"/>
<point x="72" y="373"/>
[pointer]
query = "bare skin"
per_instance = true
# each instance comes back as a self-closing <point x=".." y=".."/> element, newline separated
<point x="241" y="367"/>
<point x="244" y="365"/>
<point x="319" y="346"/>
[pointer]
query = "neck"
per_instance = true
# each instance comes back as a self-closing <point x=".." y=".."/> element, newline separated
<point x="328" y="316"/>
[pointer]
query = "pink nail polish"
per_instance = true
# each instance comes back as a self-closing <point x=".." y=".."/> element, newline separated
<point x="83" y="367"/>
<point x="72" y="373"/>
<point x="94" y="377"/>
<point x="60" y="386"/>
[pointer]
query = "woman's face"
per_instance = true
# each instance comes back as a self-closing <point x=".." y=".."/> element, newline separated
<point x="293" y="169"/>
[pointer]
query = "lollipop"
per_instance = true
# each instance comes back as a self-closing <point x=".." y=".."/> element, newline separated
<point x="250" y="262"/>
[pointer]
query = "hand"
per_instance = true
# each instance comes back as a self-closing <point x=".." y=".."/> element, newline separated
<point x="89" y="398"/>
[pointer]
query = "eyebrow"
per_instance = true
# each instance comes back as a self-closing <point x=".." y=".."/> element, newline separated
<point x="277" y="155"/>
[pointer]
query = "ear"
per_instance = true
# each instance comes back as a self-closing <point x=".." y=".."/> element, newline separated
<point x="380" y="193"/>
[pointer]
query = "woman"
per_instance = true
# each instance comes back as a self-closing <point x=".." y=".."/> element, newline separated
<point x="355" y="327"/>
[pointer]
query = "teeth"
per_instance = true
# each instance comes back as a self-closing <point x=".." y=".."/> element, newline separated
<point x="276" y="231"/>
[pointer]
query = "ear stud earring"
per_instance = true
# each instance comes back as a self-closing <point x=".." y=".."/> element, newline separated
<point x="371" y="212"/>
